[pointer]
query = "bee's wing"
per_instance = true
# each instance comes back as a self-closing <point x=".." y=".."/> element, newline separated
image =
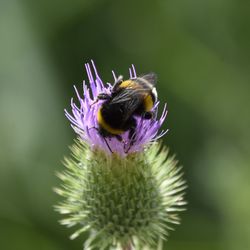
<point x="129" y="101"/>
<point x="126" y="95"/>
<point x="130" y="107"/>
<point x="150" y="77"/>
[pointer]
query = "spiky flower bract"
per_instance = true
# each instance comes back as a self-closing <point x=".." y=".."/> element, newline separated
<point x="120" y="199"/>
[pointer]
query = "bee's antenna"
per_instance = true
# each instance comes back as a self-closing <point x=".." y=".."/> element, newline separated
<point x="131" y="139"/>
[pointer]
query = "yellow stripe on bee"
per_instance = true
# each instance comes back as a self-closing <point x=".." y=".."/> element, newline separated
<point x="106" y="126"/>
<point x="128" y="84"/>
<point x="148" y="102"/>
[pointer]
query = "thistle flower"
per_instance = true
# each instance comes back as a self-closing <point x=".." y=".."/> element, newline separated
<point x="84" y="122"/>
<point x="126" y="199"/>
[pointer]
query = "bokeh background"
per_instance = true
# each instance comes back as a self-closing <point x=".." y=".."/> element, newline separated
<point x="200" y="51"/>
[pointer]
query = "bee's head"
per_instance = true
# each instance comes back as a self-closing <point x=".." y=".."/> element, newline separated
<point x="103" y="96"/>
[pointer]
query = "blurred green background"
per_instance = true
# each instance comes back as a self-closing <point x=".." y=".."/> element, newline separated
<point x="200" y="50"/>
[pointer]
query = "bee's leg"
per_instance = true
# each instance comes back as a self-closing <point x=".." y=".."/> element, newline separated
<point x="131" y="137"/>
<point x="148" y="115"/>
<point x="104" y="136"/>
<point x="118" y="81"/>
<point x="132" y="133"/>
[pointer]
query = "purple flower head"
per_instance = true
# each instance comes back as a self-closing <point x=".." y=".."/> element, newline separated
<point x="84" y="118"/>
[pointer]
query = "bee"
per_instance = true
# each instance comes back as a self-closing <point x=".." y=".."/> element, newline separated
<point x="128" y="99"/>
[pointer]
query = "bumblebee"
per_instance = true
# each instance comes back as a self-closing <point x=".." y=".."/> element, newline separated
<point x="128" y="99"/>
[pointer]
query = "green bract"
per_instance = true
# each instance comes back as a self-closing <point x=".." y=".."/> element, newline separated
<point x="122" y="202"/>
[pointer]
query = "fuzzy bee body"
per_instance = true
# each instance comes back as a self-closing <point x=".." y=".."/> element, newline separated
<point x="128" y="99"/>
